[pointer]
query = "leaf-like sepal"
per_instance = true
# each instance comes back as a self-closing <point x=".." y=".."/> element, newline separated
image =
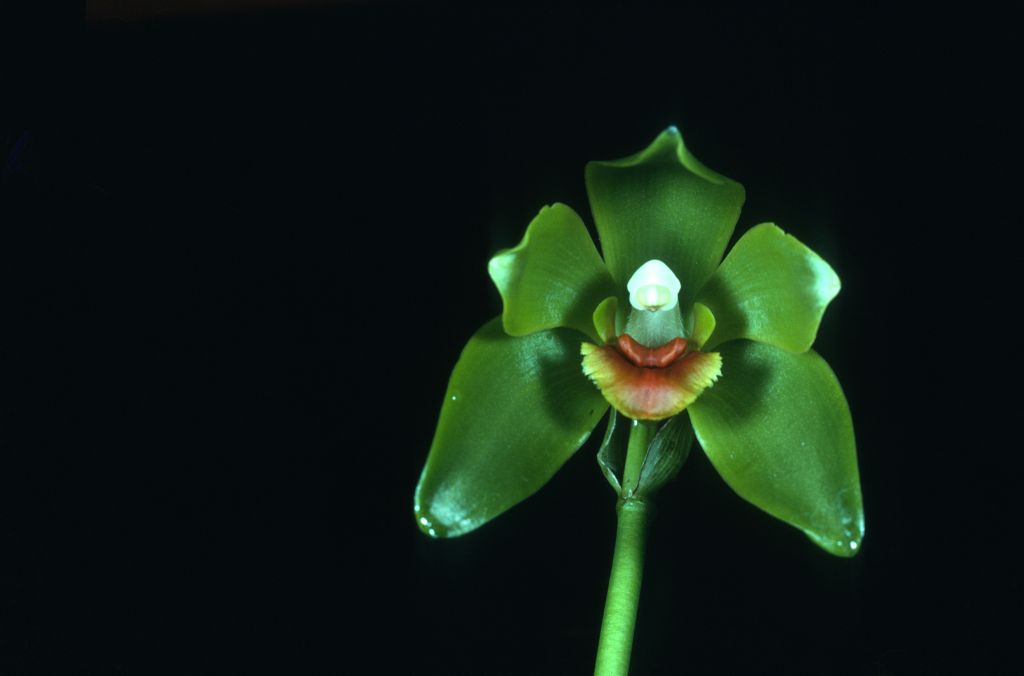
<point x="777" y="428"/>
<point x="662" y="203"/>
<point x="515" y="410"/>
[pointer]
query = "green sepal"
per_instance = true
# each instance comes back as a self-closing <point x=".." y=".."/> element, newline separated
<point x="515" y="410"/>
<point x="777" y="428"/>
<point x="662" y="203"/>
<point x="611" y="457"/>
<point x="553" y="278"/>
<point x="770" y="288"/>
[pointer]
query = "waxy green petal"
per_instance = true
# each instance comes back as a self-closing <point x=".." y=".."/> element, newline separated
<point x="662" y="203"/>
<point x="515" y="410"/>
<point x="777" y="428"/>
<point x="772" y="289"/>
<point x="553" y="278"/>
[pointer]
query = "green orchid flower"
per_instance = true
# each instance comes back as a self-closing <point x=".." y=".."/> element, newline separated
<point x="669" y="335"/>
<point x="677" y="342"/>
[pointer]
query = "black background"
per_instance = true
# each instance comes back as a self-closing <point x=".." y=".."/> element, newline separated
<point x="246" y="249"/>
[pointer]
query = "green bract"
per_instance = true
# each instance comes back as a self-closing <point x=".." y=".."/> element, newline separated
<point x="775" y="425"/>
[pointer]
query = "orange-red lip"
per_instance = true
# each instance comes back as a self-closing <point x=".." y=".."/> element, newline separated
<point x="650" y="383"/>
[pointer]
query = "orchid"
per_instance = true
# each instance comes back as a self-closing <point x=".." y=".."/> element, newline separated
<point x="676" y="342"/>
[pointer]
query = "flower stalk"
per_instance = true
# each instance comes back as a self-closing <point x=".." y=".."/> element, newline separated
<point x="616" y="643"/>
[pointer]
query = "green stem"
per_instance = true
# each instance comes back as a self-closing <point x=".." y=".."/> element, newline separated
<point x="616" y="643"/>
<point x="640" y="434"/>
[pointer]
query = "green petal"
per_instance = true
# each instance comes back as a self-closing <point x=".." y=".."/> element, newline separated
<point x="663" y="204"/>
<point x="553" y="278"/>
<point x="777" y="428"/>
<point x="770" y="288"/>
<point x="516" y="409"/>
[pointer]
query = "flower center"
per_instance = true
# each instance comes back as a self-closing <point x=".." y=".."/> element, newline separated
<point x="653" y="287"/>
<point x="651" y="371"/>
<point x="655" y="318"/>
<point x="650" y="357"/>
